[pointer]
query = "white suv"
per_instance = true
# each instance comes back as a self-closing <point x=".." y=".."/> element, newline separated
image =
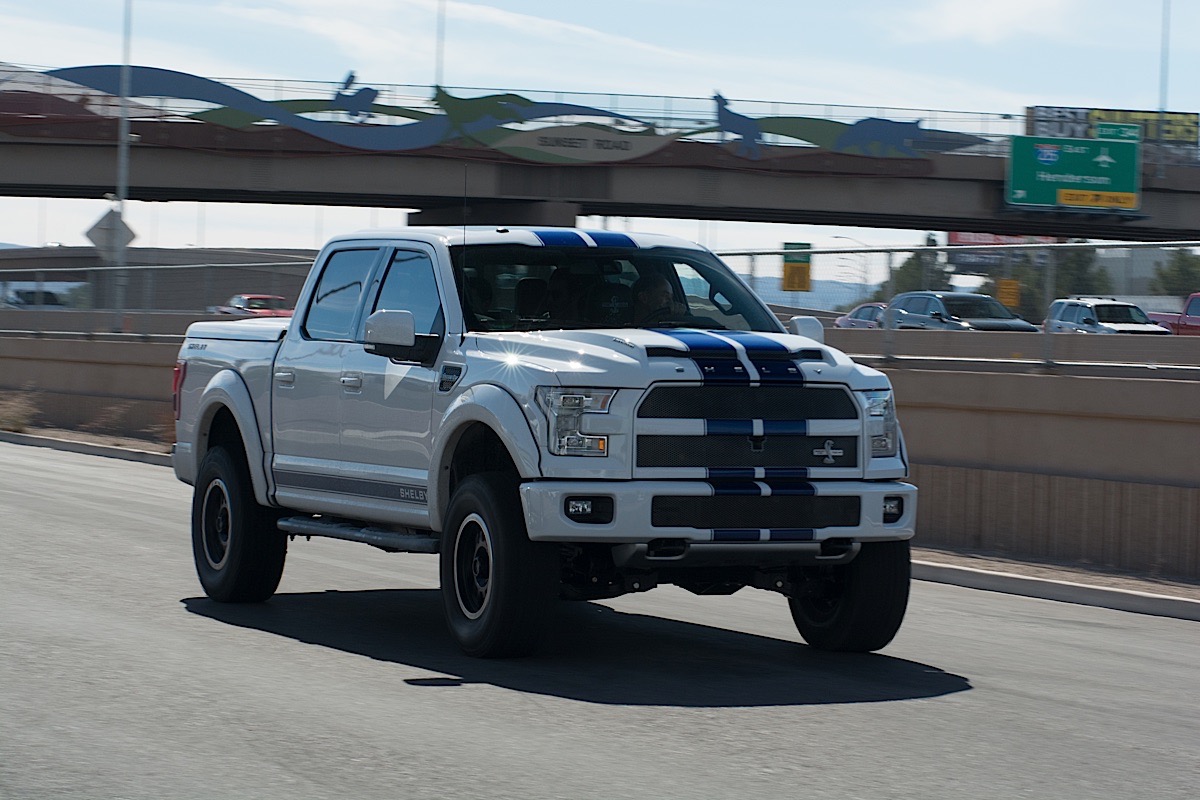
<point x="1099" y="315"/>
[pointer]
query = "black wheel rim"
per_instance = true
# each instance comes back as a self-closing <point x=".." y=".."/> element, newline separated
<point x="215" y="524"/>
<point x="820" y="605"/>
<point x="473" y="561"/>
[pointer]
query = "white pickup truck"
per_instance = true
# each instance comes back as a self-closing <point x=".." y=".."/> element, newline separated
<point x="559" y="414"/>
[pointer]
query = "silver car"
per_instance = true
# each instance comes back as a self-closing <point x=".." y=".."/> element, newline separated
<point x="1099" y="315"/>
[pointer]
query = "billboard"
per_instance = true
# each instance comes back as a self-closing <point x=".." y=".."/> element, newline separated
<point x="982" y="259"/>
<point x="1065" y="122"/>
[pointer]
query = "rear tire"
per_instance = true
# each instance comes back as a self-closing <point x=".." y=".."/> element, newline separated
<point x="499" y="589"/>
<point x="239" y="552"/>
<point x="855" y="607"/>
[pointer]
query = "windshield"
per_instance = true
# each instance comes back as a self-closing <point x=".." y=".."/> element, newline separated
<point x="522" y="288"/>
<point x="977" y="308"/>
<point x="1119" y="314"/>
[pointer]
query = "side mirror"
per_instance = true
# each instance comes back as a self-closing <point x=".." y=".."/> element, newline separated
<point x="939" y="316"/>
<point x="810" y="327"/>
<point x="394" y="328"/>
<point x="392" y="334"/>
<point x="1088" y="321"/>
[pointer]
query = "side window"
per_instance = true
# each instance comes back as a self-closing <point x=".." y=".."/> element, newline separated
<point x="338" y="294"/>
<point x="1069" y="313"/>
<point x="409" y="285"/>
<point x="1193" y="308"/>
<point x="919" y="305"/>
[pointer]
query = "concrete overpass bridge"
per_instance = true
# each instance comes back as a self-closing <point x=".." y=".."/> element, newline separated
<point x="492" y="165"/>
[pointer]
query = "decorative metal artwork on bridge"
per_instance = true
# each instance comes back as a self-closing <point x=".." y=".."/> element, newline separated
<point x="521" y="128"/>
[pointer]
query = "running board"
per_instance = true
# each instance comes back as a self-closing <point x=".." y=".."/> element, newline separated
<point x="401" y="541"/>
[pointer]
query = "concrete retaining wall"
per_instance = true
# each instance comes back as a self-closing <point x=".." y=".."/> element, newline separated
<point x="1092" y="470"/>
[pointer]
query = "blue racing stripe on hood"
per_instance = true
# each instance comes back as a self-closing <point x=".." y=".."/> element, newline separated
<point x="610" y="239"/>
<point x="754" y="342"/>
<point x="696" y="340"/>
<point x="561" y="238"/>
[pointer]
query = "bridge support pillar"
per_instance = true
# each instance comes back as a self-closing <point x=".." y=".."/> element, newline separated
<point x="538" y="212"/>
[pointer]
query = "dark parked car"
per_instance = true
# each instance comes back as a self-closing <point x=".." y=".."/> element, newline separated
<point x="865" y="315"/>
<point x="952" y="311"/>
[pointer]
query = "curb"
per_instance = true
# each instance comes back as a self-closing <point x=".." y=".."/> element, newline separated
<point x="1157" y="605"/>
<point x="108" y="451"/>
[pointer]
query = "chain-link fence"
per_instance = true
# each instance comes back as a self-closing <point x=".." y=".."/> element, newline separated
<point x="1026" y="279"/>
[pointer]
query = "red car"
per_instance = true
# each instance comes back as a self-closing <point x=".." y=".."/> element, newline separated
<point x="256" y="305"/>
<point x="866" y="315"/>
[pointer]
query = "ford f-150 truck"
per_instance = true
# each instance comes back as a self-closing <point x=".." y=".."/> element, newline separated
<point x="558" y="414"/>
<point x="1186" y="323"/>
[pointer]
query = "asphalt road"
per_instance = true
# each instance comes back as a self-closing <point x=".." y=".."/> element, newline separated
<point x="118" y="679"/>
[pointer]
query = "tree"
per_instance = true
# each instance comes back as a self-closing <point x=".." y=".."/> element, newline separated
<point x="1180" y="276"/>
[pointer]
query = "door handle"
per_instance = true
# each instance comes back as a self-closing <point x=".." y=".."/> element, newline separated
<point x="285" y="376"/>
<point x="352" y="381"/>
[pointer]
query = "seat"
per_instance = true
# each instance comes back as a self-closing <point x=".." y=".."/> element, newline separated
<point x="609" y="304"/>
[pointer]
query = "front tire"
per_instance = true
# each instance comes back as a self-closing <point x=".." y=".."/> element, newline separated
<point x="855" y="607"/>
<point x="239" y="553"/>
<point x="498" y="587"/>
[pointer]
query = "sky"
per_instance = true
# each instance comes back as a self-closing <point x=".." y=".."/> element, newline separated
<point x="994" y="56"/>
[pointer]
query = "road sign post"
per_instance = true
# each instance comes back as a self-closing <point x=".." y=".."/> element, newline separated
<point x="1074" y="173"/>
<point x="797" y="268"/>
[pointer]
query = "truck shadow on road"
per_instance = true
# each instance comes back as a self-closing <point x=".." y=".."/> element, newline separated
<point x="593" y="653"/>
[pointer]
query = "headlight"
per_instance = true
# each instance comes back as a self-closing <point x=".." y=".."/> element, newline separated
<point x="564" y="410"/>
<point x="882" y="429"/>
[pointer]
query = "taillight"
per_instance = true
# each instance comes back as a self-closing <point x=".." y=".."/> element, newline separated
<point x="177" y="384"/>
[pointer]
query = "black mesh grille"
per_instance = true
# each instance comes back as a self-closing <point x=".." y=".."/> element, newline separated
<point x="748" y="402"/>
<point x="740" y="451"/>
<point x="755" y="512"/>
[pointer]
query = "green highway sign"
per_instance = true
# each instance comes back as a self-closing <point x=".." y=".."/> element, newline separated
<point x="1074" y="173"/>
<point x="1122" y="131"/>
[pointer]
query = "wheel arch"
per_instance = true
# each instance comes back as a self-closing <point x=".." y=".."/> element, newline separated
<point x="483" y="430"/>
<point x="227" y="418"/>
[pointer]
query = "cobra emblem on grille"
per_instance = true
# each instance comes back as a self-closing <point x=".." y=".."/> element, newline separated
<point x="828" y="452"/>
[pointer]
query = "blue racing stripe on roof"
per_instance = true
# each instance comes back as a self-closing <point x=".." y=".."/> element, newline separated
<point x="755" y="342"/>
<point x="610" y="239"/>
<point x="561" y="238"/>
<point x="696" y="340"/>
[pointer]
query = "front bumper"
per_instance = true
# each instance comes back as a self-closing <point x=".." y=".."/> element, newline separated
<point x="632" y="521"/>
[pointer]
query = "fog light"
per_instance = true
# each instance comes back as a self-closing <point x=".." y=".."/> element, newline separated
<point x="592" y="510"/>
<point x="893" y="508"/>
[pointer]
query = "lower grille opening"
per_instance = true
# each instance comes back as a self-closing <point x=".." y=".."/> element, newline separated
<point x="755" y="512"/>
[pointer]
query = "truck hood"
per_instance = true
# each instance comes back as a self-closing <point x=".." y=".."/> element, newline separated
<point x="1135" y="327"/>
<point x="637" y="357"/>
